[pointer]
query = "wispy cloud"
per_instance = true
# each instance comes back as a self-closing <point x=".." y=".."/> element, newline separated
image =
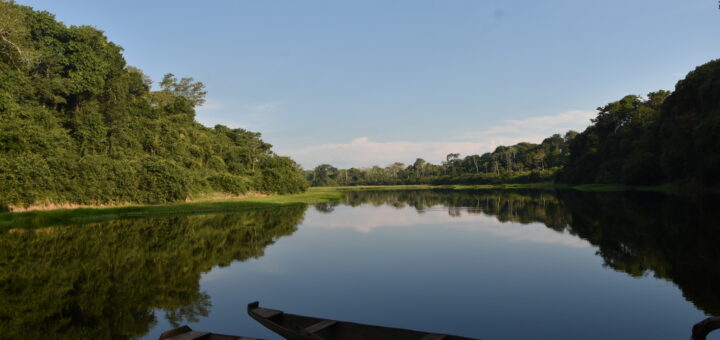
<point x="534" y="127"/>
<point x="246" y="116"/>
<point x="363" y="152"/>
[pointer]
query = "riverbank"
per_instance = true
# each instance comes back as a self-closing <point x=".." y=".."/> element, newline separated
<point x="56" y="217"/>
<point x="65" y="216"/>
<point x="667" y="188"/>
<point x="671" y="188"/>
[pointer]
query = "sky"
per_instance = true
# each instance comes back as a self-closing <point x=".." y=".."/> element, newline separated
<point x="372" y="82"/>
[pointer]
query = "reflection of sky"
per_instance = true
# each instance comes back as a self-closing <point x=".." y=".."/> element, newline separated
<point x="367" y="218"/>
<point x="469" y="275"/>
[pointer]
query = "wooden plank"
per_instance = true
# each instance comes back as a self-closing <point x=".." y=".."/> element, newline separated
<point x="173" y="332"/>
<point x="214" y="336"/>
<point x="267" y="313"/>
<point x="433" y="337"/>
<point x="319" y="326"/>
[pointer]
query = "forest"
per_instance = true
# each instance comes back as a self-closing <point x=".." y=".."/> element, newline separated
<point x="662" y="138"/>
<point x="79" y="125"/>
<point x="519" y="163"/>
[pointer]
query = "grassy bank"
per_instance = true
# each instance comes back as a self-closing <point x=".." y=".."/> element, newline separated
<point x="37" y="219"/>
<point x="44" y="218"/>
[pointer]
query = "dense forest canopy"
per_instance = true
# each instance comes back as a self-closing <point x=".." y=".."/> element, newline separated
<point x="661" y="138"/>
<point x="78" y="125"/>
<point x="665" y="137"/>
<point x="522" y="162"/>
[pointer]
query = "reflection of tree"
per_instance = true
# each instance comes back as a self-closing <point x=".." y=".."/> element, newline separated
<point x="520" y="206"/>
<point x="190" y="312"/>
<point x="104" y="280"/>
<point x="673" y="237"/>
<point x="325" y="207"/>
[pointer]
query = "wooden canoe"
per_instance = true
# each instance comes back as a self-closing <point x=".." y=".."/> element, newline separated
<point x="299" y="327"/>
<point x="186" y="333"/>
<point x="703" y="328"/>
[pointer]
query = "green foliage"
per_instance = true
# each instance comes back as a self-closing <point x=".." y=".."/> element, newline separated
<point x="228" y="183"/>
<point x="689" y="127"/>
<point x="163" y="181"/>
<point x="520" y="163"/>
<point x="77" y="125"/>
<point x="279" y="175"/>
<point x="185" y="87"/>
<point x="659" y="139"/>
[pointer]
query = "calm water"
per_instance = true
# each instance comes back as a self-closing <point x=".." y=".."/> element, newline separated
<point x="484" y="264"/>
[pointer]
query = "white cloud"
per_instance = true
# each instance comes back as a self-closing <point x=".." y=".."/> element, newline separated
<point x="362" y="152"/>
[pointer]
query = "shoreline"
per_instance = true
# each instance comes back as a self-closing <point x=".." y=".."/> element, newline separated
<point x="79" y="214"/>
<point x="670" y="188"/>
<point x="49" y="206"/>
<point x="43" y="218"/>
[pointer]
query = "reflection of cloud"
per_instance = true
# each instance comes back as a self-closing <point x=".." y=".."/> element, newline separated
<point x="362" y="152"/>
<point x="366" y="219"/>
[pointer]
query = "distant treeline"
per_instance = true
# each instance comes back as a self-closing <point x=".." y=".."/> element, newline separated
<point x="78" y="125"/>
<point x="519" y="163"/>
<point x="661" y="138"/>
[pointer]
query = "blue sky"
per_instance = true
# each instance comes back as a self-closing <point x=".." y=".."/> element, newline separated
<point x="360" y="83"/>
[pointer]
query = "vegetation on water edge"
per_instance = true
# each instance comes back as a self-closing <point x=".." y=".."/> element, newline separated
<point x="44" y="218"/>
<point x="79" y="125"/>
<point x="316" y="195"/>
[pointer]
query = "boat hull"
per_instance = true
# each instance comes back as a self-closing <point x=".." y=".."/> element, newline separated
<point x="299" y="327"/>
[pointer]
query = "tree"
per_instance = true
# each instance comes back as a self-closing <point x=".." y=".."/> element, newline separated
<point x="419" y="166"/>
<point x="14" y="35"/>
<point x="78" y="125"/>
<point x="193" y="91"/>
<point x="324" y="175"/>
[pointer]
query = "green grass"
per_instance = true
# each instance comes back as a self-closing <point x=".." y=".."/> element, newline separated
<point x="44" y="218"/>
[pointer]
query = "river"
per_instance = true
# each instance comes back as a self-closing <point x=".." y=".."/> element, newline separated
<point x="490" y="264"/>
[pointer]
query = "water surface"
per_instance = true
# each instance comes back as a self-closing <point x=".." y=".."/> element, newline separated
<point x="509" y="264"/>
